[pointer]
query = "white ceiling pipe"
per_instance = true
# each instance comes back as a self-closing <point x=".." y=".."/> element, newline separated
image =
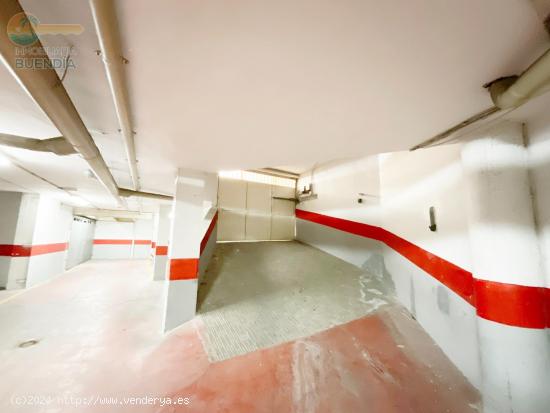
<point x="59" y="145"/>
<point x="127" y="193"/>
<point x="111" y="213"/>
<point x="507" y="94"/>
<point x="511" y="92"/>
<point x="106" y="25"/>
<point x="45" y="87"/>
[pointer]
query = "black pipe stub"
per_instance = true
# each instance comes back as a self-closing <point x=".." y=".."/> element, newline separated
<point x="28" y="343"/>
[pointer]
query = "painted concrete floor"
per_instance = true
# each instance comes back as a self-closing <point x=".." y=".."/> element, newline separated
<point x="256" y="295"/>
<point x="100" y="349"/>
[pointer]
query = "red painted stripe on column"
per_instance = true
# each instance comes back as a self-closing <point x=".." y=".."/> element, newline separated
<point x="161" y="250"/>
<point x="142" y="242"/>
<point x="511" y="304"/>
<point x="188" y="268"/>
<point x="184" y="269"/>
<point x="515" y="305"/>
<point x="208" y="233"/>
<point x="113" y="242"/>
<point x="7" y="250"/>
<point x="31" y="250"/>
<point x="153" y="244"/>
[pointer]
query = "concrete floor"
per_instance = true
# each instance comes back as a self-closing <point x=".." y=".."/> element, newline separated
<point x="256" y="295"/>
<point x="99" y="344"/>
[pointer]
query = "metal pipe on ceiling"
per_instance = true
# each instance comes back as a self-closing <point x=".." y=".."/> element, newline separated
<point x="453" y="129"/>
<point x="106" y="25"/>
<point x="140" y="194"/>
<point x="44" y="86"/>
<point x="507" y="93"/>
<point x="98" y="213"/>
<point x="275" y="172"/>
<point x="58" y="145"/>
<point x="513" y="91"/>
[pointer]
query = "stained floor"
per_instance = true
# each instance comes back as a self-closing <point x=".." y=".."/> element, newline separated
<point x="100" y="349"/>
<point x="256" y="295"/>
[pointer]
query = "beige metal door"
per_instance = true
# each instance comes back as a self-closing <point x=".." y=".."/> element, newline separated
<point x="249" y="211"/>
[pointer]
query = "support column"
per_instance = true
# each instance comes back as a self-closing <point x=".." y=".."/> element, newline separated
<point x="154" y="237"/>
<point x="17" y="227"/>
<point x="509" y="284"/>
<point x="192" y="222"/>
<point x="161" y="237"/>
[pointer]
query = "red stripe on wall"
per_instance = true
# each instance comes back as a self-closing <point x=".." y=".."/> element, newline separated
<point x="31" y="250"/>
<point x="515" y="305"/>
<point x="48" y="248"/>
<point x="454" y="277"/>
<point x="208" y="233"/>
<point x="142" y="242"/>
<point x="113" y="242"/>
<point x="184" y="269"/>
<point x="161" y="250"/>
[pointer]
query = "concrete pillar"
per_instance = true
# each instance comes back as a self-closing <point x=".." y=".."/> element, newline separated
<point x="161" y="237"/>
<point x="17" y="226"/>
<point x="193" y="218"/>
<point x="506" y="266"/>
<point x="154" y="235"/>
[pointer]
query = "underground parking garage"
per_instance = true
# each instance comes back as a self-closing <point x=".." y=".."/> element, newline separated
<point x="274" y="207"/>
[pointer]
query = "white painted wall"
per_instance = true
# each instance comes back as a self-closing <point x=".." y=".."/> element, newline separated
<point x="53" y="225"/>
<point x="112" y="230"/>
<point x="509" y="364"/>
<point x="399" y="188"/>
<point x="129" y="231"/>
<point x="143" y="231"/>
<point x="338" y="185"/>
<point x="412" y="182"/>
<point x="81" y="241"/>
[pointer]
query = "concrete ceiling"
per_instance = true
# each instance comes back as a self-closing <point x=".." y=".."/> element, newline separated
<point x="244" y="84"/>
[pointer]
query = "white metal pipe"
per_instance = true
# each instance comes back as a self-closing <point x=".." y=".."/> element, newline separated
<point x="58" y="145"/>
<point x="526" y="86"/>
<point x="106" y="25"/>
<point x="110" y="213"/>
<point x="127" y="193"/>
<point x="507" y="94"/>
<point x="45" y="87"/>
